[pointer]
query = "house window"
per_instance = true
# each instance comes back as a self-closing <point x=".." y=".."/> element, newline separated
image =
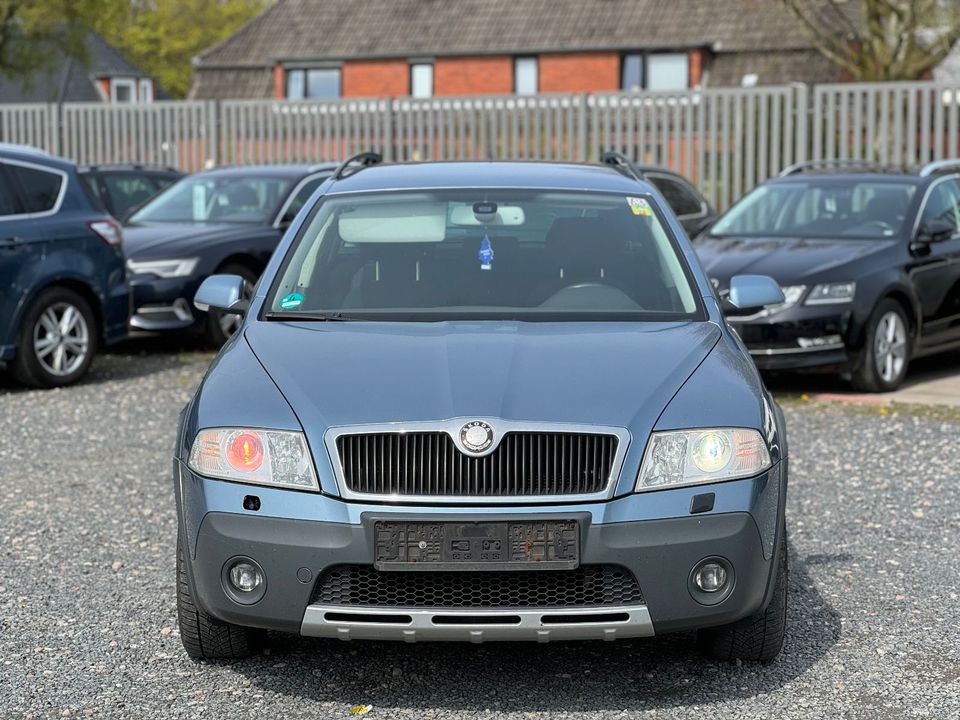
<point x="146" y="90"/>
<point x="313" y="83"/>
<point x="668" y="71"/>
<point x="632" y="72"/>
<point x="123" y="90"/>
<point x="421" y="80"/>
<point x="526" y="76"/>
<point x="655" y="71"/>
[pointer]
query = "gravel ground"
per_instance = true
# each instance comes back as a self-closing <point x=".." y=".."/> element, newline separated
<point x="88" y="626"/>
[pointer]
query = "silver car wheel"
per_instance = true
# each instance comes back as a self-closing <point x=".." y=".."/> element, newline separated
<point x="890" y="347"/>
<point x="230" y="323"/>
<point x="61" y="339"/>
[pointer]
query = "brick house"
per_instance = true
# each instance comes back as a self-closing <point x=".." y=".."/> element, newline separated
<point x="424" y="48"/>
<point x="105" y="75"/>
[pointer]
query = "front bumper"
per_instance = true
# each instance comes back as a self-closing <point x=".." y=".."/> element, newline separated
<point x="743" y="529"/>
<point x="161" y="304"/>
<point x="799" y="337"/>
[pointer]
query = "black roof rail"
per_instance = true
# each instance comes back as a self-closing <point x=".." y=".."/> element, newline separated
<point x="621" y="162"/>
<point x="939" y="166"/>
<point x="364" y="159"/>
<point x="800" y="167"/>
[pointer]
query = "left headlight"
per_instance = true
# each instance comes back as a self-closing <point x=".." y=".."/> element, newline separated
<point x="692" y="457"/>
<point x="182" y="267"/>
<point x="831" y="294"/>
<point x="260" y="457"/>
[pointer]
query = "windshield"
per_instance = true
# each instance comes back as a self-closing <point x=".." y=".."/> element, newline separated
<point x="483" y="254"/>
<point x="247" y="199"/>
<point x="819" y="208"/>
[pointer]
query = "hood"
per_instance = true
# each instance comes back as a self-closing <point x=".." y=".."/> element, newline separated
<point x="786" y="260"/>
<point x="614" y="374"/>
<point x="170" y="239"/>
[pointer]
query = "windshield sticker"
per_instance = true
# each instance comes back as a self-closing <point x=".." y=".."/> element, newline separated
<point x="639" y="206"/>
<point x="291" y="301"/>
<point x="486" y="254"/>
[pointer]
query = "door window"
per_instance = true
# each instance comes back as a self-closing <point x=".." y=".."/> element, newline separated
<point x="300" y="199"/>
<point x="41" y="188"/>
<point x="943" y="204"/>
<point x="683" y="199"/>
<point x="8" y="199"/>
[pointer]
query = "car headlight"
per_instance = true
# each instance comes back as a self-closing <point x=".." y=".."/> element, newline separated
<point x="831" y="293"/>
<point x="260" y="457"/>
<point x="791" y="295"/>
<point x="691" y="457"/>
<point x="163" y="268"/>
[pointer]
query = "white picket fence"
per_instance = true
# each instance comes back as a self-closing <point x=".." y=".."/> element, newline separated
<point x="726" y="140"/>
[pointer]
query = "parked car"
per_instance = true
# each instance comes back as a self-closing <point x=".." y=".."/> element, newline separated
<point x="687" y="202"/>
<point x="61" y="269"/>
<point x="221" y="221"/>
<point x="869" y="263"/>
<point x="123" y="188"/>
<point x="482" y="401"/>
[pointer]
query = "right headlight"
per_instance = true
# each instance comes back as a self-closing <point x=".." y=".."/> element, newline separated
<point x="691" y="457"/>
<point x="163" y="268"/>
<point x="278" y="458"/>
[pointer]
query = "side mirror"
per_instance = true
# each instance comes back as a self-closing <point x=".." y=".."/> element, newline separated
<point x="750" y="293"/>
<point x="934" y="231"/>
<point x="223" y="293"/>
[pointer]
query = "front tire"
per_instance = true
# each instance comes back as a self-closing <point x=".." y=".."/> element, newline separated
<point x="221" y="326"/>
<point x="758" y="638"/>
<point x="203" y="637"/>
<point x="56" y="341"/>
<point x="883" y="362"/>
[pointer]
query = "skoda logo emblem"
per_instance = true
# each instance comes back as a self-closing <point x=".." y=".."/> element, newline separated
<point x="476" y="436"/>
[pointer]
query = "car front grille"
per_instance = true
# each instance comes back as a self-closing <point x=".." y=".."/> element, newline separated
<point x="587" y="586"/>
<point x="523" y="464"/>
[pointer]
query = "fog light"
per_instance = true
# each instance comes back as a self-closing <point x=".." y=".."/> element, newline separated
<point x="245" y="577"/>
<point x="710" y="577"/>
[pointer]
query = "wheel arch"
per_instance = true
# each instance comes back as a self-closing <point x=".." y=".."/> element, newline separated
<point x="245" y="259"/>
<point x="82" y="288"/>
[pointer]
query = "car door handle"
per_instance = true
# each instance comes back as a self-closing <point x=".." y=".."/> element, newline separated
<point x="10" y="243"/>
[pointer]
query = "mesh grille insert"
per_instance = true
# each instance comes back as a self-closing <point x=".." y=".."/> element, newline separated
<point x="587" y="586"/>
<point x="430" y="463"/>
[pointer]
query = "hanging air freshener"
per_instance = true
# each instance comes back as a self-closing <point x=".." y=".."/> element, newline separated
<point x="486" y="254"/>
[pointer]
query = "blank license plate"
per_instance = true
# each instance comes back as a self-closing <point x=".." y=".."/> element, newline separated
<point x="541" y="545"/>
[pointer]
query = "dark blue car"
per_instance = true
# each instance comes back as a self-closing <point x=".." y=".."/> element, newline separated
<point x="227" y="220"/>
<point x="61" y="269"/>
<point x="483" y="401"/>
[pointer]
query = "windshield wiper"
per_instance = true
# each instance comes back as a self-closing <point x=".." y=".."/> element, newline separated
<point x="309" y="317"/>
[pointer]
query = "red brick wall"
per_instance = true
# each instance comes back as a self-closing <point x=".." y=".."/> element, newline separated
<point x="375" y="78"/>
<point x="697" y="60"/>
<point x="279" y="82"/>
<point x="580" y="72"/>
<point x="473" y="75"/>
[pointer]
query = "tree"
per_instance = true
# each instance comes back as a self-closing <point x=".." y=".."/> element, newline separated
<point x="886" y="39"/>
<point x="163" y="36"/>
<point x="29" y="29"/>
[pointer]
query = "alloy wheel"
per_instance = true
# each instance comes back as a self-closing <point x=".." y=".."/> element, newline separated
<point x="61" y="339"/>
<point x="890" y="347"/>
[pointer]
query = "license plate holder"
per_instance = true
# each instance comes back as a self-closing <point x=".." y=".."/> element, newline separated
<point x="496" y="545"/>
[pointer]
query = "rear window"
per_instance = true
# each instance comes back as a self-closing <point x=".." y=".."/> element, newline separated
<point x="485" y="254"/>
<point x="41" y="188"/>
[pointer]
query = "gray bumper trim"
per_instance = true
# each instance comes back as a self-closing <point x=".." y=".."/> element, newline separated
<point x="476" y="625"/>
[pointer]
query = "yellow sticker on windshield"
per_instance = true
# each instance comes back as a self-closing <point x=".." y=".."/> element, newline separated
<point x="639" y="206"/>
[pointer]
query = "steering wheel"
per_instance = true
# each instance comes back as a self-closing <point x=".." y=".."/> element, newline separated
<point x="883" y="225"/>
<point x="581" y="296"/>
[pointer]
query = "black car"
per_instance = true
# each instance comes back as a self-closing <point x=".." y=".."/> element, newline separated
<point x="120" y="189"/>
<point x="227" y="220"/>
<point x="64" y="289"/>
<point x="688" y="204"/>
<point x="868" y="260"/>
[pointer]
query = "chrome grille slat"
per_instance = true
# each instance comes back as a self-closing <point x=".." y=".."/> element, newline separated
<point x="524" y="464"/>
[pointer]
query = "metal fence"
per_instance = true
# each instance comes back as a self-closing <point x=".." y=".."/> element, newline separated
<point x="725" y="139"/>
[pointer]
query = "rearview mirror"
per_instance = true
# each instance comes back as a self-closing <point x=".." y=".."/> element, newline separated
<point x="934" y="231"/>
<point x="750" y="293"/>
<point x="221" y="292"/>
